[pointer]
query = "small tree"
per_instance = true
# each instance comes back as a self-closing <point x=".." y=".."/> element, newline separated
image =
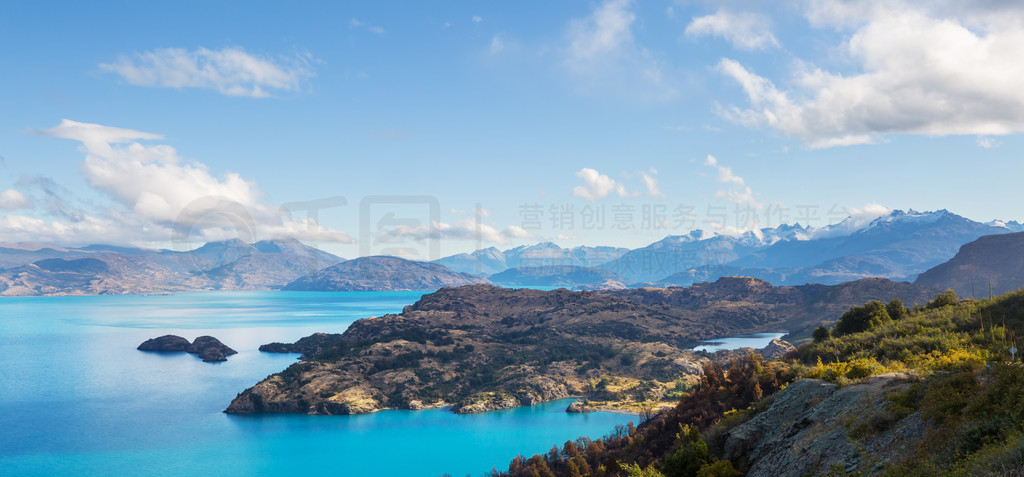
<point x="946" y="298"/>
<point x="721" y="468"/>
<point x="821" y="334"/>
<point x="689" y="457"/>
<point x="896" y="309"/>
<point x="862" y="318"/>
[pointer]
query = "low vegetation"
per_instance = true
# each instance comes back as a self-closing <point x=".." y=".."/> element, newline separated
<point x="966" y="387"/>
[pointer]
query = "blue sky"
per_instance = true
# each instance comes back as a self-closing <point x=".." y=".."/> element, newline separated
<point x="451" y="124"/>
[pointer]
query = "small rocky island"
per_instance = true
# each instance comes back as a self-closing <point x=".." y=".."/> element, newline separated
<point x="208" y="348"/>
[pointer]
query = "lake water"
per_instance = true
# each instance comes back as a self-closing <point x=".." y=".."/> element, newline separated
<point x="77" y="398"/>
<point x="756" y="341"/>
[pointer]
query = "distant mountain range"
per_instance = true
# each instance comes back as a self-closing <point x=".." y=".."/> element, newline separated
<point x="31" y="269"/>
<point x="490" y="261"/>
<point x="383" y="274"/>
<point x="898" y="246"/>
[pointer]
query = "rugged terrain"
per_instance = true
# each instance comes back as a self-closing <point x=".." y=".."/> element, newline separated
<point x="886" y="391"/>
<point x="482" y="347"/>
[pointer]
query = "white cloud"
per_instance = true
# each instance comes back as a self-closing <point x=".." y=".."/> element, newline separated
<point x="12" y="199"/>
<point x="747" y="31"/>
<point x="858" y="219"/>
<point x="651" y="183"/>
<point x="929" y="68"/>
<point x="231" y="71"/>
<point x="159" y="193"/>
<point x="606" y="31"/>
<point x="987" y="142"/>
<point x="596" y="185"/>
<point x="477" y="19"/>
<point x="497" y="45"/>
<point x="741" y="194"/>
<point x="603" y="55"/>
<point x="725" y="174"/>
<point x="468" y="229"/>
<point x="376" y="30"/>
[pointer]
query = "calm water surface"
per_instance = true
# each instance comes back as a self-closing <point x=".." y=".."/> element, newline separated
<point x="756" y="341"/>
<point x="77" y="398"/>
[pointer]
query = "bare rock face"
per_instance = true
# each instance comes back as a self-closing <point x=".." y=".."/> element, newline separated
<point x="776" y="349"/>
<point x="811" y="425"/>
<point x="164" y="343"/>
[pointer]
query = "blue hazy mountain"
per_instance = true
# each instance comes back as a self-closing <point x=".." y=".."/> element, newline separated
<point x="555" y="276"/>
<point x="34" y="269"/>
<point x="381" y="273"/>
<point x="897" y="246"/>
<point x="681" y="253"/>
<point x="489" y="261"/>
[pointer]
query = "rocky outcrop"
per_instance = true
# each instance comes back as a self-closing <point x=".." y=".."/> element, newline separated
<point x="776" y="349"/>
<point x="484" y="402"/>
<point x="307" y="346"/>
<point x="208" y="348"/>
<point x="814" y="426"/>
<point x="165" y="343"/>
<point x="580" y="407"/>
<point x="481" y="348"/>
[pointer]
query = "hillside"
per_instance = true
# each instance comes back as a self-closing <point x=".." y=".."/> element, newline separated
<point x="993" y="260"/>
<point x="927" y="392"/>
<point x="482" y="347"/>
<point x="381" y="273"/>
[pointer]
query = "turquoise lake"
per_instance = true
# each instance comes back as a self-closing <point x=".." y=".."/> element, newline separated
<point x="77" y="398"/>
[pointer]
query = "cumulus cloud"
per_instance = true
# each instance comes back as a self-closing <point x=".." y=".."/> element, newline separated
<point x="12" y="199"/>
<point x="747" y="31"/>
<point x="477" y="19"/>
<point x="929" y="68"/>
<point x="231" y="71"/>
<point x="162" y="194"/>
<point x="603" y="55"/>
<point x="596" y="185"/>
